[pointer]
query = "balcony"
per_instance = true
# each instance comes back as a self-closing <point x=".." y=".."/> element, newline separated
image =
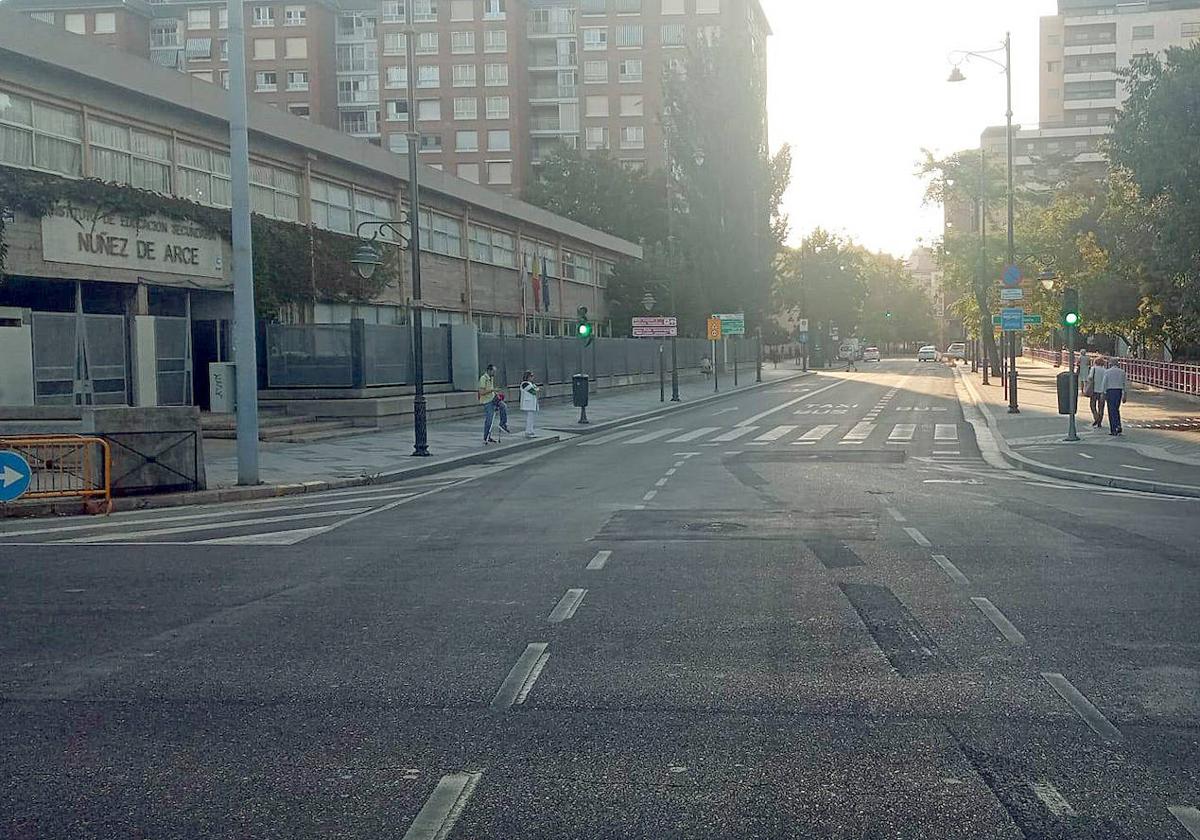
<point x="552" y="94"/>
<point x="545" y="62"/>
<point x="366" y="127"/>
<point x="357" y="99"/>
<point x="551" y="28"/>
<point x="552" y="125"/>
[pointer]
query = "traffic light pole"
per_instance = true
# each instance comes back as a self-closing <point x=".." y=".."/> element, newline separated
<point x="1072" y="432"/>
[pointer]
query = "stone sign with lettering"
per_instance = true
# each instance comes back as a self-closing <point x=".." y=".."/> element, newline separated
<point x="148" y="244"/>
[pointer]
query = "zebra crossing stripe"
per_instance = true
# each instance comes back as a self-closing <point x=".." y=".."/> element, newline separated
<point x="858" y="434"/>
<point x="609" y="438"/>
<point x="693" y="435"/>
<point x="776" y="433"/>
<point x="945" y="431"/>
<point x="737" y="432"/>
<point x="646" y="438"/>
<point x="902" y="433"/>
<point x="814" y="435"/>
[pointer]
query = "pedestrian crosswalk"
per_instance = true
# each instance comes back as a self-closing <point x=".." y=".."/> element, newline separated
<point x="283" y="521"/>
<point x="944" y="437"/>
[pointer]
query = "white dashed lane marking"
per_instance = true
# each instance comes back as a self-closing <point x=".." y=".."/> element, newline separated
<point x="443" y="808"/>
<point x="597" y="562"/>
<point x="1083" y="707"/>
<point x="950" y="569"/>
<point x="522" y="676"/>
<point x="1054" y="801"/>
<point x="1010" y="633"/>
<point x="1188" y="817"/>
<point x="567" y="606"/>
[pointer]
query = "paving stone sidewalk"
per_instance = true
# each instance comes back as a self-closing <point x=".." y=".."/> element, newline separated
<point x="375" y="453"/>
<point x="1160" y="444"/>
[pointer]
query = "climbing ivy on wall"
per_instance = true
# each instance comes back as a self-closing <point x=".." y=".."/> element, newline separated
<point x="293" y="263"/>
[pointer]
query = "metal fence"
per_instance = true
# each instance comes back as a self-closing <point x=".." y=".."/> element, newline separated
<point x="353" y="355"/>
<point x="65" y="466"/>
<point x="1170" y="376"/>
<point x="79" y="359"/>
<point x="556" y="360"/>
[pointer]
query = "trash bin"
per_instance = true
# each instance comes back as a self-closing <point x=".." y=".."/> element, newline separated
<point x="580" y="389"/>
<point x="1067" y="383"/>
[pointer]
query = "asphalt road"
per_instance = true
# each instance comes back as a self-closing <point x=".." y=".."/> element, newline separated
<point x="813" y="611"/>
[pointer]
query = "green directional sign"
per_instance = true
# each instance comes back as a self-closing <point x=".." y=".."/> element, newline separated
<point x="732" y="324"/>
<point x="1030" y="321"/>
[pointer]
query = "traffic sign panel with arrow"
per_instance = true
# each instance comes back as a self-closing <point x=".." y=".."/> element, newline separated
<point x="15" y="476"/>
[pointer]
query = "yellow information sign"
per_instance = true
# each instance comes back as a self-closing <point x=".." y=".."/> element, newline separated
<point x="714" y="329"/>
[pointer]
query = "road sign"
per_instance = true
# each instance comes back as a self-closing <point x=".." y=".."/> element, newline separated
<point x="802" y="325"/>
<point x="802" y="337"/>
<point x="14" y="476"/>
<point x="714" y="329"/>
<point x="1030" y="321"/>
<point x="1012" y="294"/>
<point x="1012" y="319"/>
<point x="667" y="327"/>
<point x="734" y="324"/>
<point x="1012" y="275"/>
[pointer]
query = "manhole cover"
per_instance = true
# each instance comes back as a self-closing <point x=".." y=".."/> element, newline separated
<point x="714" y="527"/>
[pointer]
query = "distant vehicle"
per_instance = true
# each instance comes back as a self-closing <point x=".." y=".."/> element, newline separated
<point x="851" y="350"/>
<point x="956" y="351"/>
<point x="871" y="354"/>
<point x="928" y="353"/>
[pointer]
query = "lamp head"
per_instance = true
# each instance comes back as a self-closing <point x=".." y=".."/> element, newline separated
<point x="956" y="75"/>
<point x="365" y="261"/>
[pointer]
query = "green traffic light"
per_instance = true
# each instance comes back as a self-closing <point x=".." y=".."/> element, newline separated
<point x="1072" y="319"/>
<point x="585" y="330"/>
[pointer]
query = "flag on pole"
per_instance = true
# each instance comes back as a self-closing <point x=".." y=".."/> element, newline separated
<point x="524" y="294"/>
<point x="537" y="285"/>
<point x="545" y="287"/>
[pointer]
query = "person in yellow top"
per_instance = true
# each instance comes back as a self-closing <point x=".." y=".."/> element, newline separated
<point x="492" y="400"/>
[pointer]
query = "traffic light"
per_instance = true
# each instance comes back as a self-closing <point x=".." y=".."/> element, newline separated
<point x="887" y="314"/>
<point x="1070" y="308"/>
<point x="584" y="329"/>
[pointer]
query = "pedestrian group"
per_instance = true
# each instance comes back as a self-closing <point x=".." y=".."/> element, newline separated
<point x="1106" y="385"/>
<point x="491" y="398"/>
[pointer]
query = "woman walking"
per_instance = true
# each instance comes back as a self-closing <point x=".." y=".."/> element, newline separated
<point x="529" y="402"/>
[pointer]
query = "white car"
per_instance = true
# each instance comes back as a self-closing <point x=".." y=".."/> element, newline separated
<point x="957" y="351"/>
<point x="871" y="354"/>
<point x="928" y="353"/>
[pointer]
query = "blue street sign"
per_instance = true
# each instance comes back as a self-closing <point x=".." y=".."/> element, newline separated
<point x="1012" y="319"/>
<point x="803" y="338"/>
<point x="14" y="476"/>
<point x="1012" y="276"/>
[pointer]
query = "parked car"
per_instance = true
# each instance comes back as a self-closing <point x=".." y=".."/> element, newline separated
<point x="956" y="351"/>
<point x="928" y="353"/>
<point x="871" y="354"/>
<point x="849" y="351"/>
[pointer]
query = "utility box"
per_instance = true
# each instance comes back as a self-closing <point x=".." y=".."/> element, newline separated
<point x="580" y="389"/>
<point x="222" y="387"/>
<point x="1068" y="386"/>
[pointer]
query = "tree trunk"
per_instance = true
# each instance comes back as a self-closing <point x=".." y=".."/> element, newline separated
<point x="986" y="331"/>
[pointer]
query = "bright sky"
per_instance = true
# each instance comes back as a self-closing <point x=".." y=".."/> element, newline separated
<point x="858" y="88"/>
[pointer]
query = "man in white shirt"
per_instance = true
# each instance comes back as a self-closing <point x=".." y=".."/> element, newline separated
<point x="1095" y="390"/>
<point x="1116" y="392"/>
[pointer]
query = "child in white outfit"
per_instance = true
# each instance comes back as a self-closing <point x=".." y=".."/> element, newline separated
<point x="529" y="401"/>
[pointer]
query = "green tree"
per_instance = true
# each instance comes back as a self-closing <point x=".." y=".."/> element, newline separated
<point x="895" y="309"/>
<point x="823" y="280"/>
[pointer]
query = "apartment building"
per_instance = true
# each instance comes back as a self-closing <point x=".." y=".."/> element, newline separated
<point x="499" y="83"/>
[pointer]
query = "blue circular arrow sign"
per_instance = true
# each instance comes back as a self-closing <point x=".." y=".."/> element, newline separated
<point x="1012" y="275"/>
<point x="14" y="476"/>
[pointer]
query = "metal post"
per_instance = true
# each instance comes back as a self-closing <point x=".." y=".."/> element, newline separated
<point x="244" y="339"/>
<point x="735" y="343"/>
<point x="1013" y="407"/>
<point x="662" y="374"/>
<point x="1072" y="431"/>
<point x="758" y="374"/>
<point x="674" y="372"/>
<point x="420" y="429"/>
<point x="716" y="368"/>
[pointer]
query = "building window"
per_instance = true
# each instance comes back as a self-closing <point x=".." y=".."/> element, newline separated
<point x="431" y="143"/>
<point x="495" y="41"/>
<point x="498" y="108"/>
<point x="631" y="70"/>
<point x="425" y="11"/>
<point x="393" y="43"/>
<point x="393" y="11"/>
<point x="500" y="171"/>
<point x="122" y="155"/>
<point x="462" y="10"/>
<point x="708" y="7"/>
<point x="710" y="36"/>
<point x="1186" y="30"/>
<point x="500" y="140"/>
<point x="358" y="90"/>
<point x="223" y="17"/>
<point x="429" y="110"/>
<point x="1143" y="33"/>
<point x="595" y="72"/>
<point x="595" y="7"/>
<point x="297" y="80"/>
<point x="493" y="9"/>
<point x="595" y="137"/>
<point x="674" y="34"/>
<point x="397" y="110"/>
<point x="462" y="42"/>
<point x="295" y="15"/>
<point x="43" y="17"/>
<point x="299" y="109"/>
<point x="672" y="7"/>
<point x="165" y="34"/>
<point x="203" y="175"/>
<point x="198" y="49"/>
<point x="397" y="77"/>
<point x="629" y="35"/>
<point x="466" y="108"/>
<point x="398" y="143"/>
<point x="429" y="76"/>
<point x="264" y="49"/>
<point x="274" y="192"/>
<point x="371" y="208"/>
<point x="464" y="75"/>
<point x="105" y="23"/>
<point x="577" y="267"/>
<point x="629" y="7"/>
<point x="492" y="246"/>
<point x="441" y="234"/>
<point x="466" y="141"/>
<point x="199" y="19"/>
<point x="264" y="16"/>
<point x="468" y="172"/>
<point x="295" y="48"/>
<point x="495" y="75"/>
<point x="75" y="23"/>
<point x="427" y="43"/>
<point x="633" y="137"/>
<point x="632" y="106"/>
<point x="265" y="81"/>
<point x="330" y="206"/>
<point x="595" y="38"/>
<point x="596" y="106"/>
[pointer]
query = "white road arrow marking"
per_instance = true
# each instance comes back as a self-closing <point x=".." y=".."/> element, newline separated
<point x="9" y="476"/>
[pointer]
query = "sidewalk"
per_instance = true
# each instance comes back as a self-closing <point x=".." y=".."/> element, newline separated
<point x="1158" y="452"/>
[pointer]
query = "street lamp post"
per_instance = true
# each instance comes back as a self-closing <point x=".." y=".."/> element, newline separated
<point x="956" y="75"/>
<point x="648" y="302"/>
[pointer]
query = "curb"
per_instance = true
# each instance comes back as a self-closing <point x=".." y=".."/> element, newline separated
<point x="671" y="408"/>
<point x="1065" y="473"/>
<point x="269" y="491"/>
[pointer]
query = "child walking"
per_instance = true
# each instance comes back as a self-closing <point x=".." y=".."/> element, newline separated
<point x="529" y="402"/>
